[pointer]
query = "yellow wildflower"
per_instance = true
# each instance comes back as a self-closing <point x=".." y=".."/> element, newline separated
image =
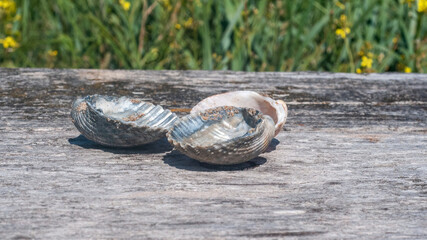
<point x="9" y="42"/>
<point x="407" y="69"/>
<point x="188" y="23"/>
<point x="8" y="5"/>
<point x="347" y="30"/>
<point x="178" y="26"/>
<point x="394" y="40"/>
<point x="52" y="53"/>
<point x="17" y="17"/>
<point x="343" y="18"/>
<point x="342" y="32"/>
<point x="125" y="4"/>
<point x="245" y="13"/>
<point x="340" y="5"/>
<point x="366" y="62"/>
<point x="359" y="71"/>
<point x="167" y="5"/>
<point x="422" y="5"/>
<point x="370" y="55"/>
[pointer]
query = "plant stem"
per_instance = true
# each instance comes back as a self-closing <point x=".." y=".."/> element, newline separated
<point x="350" y="55"/>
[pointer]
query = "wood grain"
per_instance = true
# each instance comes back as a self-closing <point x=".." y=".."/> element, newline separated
<point x="350" y="163"/>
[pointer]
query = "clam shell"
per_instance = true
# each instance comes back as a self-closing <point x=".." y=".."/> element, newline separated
<point x="223" y="135"/>
<point x="277" y="110"/>
<point x="120" y="122"/>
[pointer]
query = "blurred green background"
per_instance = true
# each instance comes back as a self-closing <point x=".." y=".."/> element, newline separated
<point x="249" y="35"/>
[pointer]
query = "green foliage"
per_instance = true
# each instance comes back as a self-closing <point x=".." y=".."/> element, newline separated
<point x="248" y="35"/>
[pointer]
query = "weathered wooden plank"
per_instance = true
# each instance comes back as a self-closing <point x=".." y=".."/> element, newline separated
<point x="351" y="162"/>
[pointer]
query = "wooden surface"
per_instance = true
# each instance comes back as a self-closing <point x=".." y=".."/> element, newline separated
<point x="350" y="163"/>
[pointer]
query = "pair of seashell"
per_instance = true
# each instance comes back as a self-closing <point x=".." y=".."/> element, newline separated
<point x="227" y="128"/>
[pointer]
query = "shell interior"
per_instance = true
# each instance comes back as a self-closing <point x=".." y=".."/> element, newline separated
<point x="277" y="110"/>
<point x="120" y="122"/>
<point x="132" y="111"/>
<point x="223" y="135"/>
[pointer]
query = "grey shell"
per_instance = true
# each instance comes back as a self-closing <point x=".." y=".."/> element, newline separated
<point x="223" y="135"/>
<point x="120" y="122"/>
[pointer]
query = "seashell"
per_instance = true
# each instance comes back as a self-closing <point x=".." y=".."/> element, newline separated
<point x="120" y="122"/>
<point x="223" y="135"/>
<point x="277" y="110"/>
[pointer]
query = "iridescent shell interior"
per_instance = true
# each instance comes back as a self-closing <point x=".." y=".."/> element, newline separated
<point x="223" y="135"/>
<point x="120" y="122"/>
<point x="276" y="109"/>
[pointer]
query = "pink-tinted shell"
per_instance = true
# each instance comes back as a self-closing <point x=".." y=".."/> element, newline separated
<point x="277" y="110"/>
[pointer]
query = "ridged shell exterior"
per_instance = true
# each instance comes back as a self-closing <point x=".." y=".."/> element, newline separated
<point x="120" y="122"/>
<point x="223" y="135"/>
<point x="276" y="109"/>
